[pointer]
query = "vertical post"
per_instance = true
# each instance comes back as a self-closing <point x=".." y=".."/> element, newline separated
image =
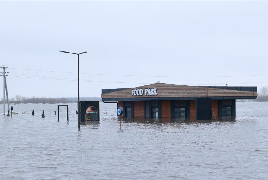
<point x="58" y="113"/>
<point x="78" y="77"/>
<point x="7" y="95"/>
<point x="120" y="123"/>
<point x="43" y="114"/>
<point x="77" y="84"/>
<point x="4" y="96"/>
<point x="78" y="96"/>
<point x="11" y="110"/>
<point x="67" y="113"/>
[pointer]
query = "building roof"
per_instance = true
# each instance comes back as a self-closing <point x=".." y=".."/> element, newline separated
<point x="162" y="91"/>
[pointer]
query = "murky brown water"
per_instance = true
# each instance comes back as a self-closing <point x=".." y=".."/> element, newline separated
<point x="36" y="148"/>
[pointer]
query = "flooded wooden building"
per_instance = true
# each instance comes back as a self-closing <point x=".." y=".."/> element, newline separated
<point x="162" y="100"/>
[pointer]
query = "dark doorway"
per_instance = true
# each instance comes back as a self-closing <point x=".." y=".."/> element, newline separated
<point x="155" y="112"/>
<point x="128" y="112"/>
<point x="226" y="111"/>
<point x="227" y="108"/>
<point x="180" y="112"/>
<point x="203" y="109"/>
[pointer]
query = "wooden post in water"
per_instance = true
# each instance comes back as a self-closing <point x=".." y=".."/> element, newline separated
<point x="67" y="113"/>
<point x="58" y="113"/>
<point x="43" y="115"/>
<point x="120" y="123"/>
<point x="11" y="110"/>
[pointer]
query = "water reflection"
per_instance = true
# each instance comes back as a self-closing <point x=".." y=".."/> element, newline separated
<point x="173" y="120"/>
<point x="93" y="124"/>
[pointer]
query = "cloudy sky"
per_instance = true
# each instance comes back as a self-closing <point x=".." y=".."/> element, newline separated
<point x="130" y="44"/>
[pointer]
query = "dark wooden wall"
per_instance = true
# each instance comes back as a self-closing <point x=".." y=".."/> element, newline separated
<point x="215" y="108"/>
<point x="192" y="110"/>
<point x="138" y="109"/>
<point x="166" y="109"/>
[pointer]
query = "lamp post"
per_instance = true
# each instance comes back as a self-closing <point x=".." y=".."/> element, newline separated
<point x="78" y="99"/>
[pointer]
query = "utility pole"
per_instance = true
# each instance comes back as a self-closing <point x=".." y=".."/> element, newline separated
<point x="5" y="92"/>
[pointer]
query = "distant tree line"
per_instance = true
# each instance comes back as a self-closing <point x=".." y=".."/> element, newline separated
<point x="263" y="94"/>
<point x="20" y="99"/>
<point x="36" y="100"/>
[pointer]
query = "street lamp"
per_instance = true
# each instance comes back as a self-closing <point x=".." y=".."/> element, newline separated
<point x="78" y="81"/>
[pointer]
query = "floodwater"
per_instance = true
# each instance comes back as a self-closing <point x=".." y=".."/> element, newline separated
<point x="32" y="147"/>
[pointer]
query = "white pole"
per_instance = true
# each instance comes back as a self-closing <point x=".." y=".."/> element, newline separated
<point x="4" y="101"/>
<point x="7" y="94"/>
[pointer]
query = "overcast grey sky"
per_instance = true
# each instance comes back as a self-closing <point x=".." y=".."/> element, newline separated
<point x="131" y="44"/>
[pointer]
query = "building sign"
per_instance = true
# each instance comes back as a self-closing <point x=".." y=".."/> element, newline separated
<point x="89" y="110"/>
<point x="146" y="92"/>
<point x="119" y="111"/>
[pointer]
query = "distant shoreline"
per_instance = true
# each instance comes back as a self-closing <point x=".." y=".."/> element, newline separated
<point x="34" y="100"/>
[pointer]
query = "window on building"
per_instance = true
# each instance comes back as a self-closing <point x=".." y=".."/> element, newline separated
<point x="180" y="113"/>
<point x="227" y="111"/>
<point x="180" y="103"/>
<point x="155" y="112"/>
<point x="128" y="112"/>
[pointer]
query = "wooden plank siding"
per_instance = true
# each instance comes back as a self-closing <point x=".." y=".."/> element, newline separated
<point x="192" y="110"/>
<point x="171" y="90"/>
<point x="166" y="109"/>
<point x="120" y="104"/>
<point x="138" y="109"/>
<point x="215" y="108"/>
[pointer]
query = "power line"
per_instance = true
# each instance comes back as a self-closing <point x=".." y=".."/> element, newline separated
<point x="119" y="82"/>
<point x="95" y="80"/>
<point x="150" y="76"/>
